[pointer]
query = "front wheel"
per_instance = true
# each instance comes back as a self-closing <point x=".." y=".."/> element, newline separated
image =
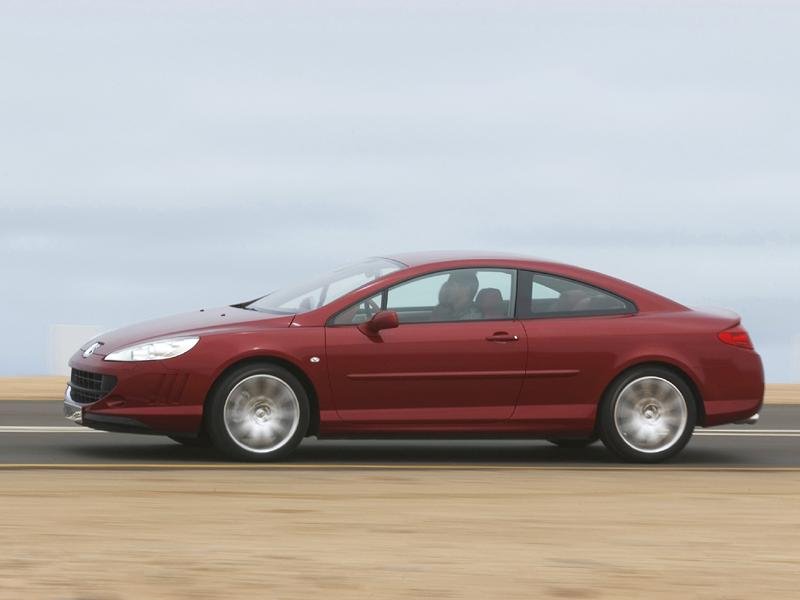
<point x="259" y="412"/>
<point x="648" y="415"/>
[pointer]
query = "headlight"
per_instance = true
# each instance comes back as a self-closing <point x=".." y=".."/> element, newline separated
<point x="155" y="350"/>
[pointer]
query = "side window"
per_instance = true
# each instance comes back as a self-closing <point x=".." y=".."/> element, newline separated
<point x="359" y="312"/>
<point x="455" y="295"/>
<point x="553" y="296"/>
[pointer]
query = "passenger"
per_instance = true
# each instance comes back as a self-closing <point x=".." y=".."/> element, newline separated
<point x="456" y="298"/>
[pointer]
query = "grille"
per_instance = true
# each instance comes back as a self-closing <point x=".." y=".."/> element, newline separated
<point x="89" y="387"/>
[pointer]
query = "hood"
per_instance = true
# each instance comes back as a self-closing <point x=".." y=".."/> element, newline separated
<point x="199" y="322"/>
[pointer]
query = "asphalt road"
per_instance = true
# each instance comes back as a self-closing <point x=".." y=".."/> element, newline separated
<point x="35" y="433"/>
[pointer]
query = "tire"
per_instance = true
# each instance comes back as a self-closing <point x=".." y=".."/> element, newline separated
<point x="200" y="441"/>
<point x="648" y="415"/>
<point x="258" y="412"/>
<point x="573" y="442"/>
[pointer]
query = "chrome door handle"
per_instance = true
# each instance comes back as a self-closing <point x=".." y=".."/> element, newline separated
<point x="502" y="336"/>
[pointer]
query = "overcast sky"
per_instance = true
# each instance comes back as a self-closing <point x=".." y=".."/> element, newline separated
<point x="160" y="157"/>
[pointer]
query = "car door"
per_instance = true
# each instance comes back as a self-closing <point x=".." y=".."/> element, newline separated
<point x="442" y="365"/>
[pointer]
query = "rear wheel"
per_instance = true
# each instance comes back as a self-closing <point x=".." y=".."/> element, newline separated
<point x="259" y="412"/>
<point x="648" y="415"/>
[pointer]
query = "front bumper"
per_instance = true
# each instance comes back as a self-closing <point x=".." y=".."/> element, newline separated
<point x="75" y="412"/>
<point x="146" y="397"/>
<point x="72" y="410"/>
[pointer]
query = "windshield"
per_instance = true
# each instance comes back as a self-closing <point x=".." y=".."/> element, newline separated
<point x="322" y="290"/>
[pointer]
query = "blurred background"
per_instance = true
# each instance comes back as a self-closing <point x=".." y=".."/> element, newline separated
<point x="161" y="157"/>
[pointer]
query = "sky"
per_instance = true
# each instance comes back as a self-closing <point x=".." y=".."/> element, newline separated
<point x="157" y="157"/>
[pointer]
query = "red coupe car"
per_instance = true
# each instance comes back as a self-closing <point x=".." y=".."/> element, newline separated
<point x="427" y="344"/>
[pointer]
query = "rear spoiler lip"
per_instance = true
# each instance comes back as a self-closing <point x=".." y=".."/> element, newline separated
<point x="726" y="314"/>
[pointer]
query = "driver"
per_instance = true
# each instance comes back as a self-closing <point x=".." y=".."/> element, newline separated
<point x="456" y="298"/>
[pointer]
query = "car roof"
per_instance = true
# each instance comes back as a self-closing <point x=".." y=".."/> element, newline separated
<point x="645" y="299"/>
<point x="415" y="259"/>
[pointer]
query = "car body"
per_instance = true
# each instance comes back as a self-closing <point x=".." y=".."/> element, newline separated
<point x="535" y="354"/>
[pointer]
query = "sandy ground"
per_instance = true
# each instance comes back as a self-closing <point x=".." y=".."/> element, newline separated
<point x="52" y="388"/>
<point x="787" y="393"/>
<point x="32" y="388"/>
<point x="299" y="533"/>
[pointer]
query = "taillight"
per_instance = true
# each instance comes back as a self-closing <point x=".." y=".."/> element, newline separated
<point x="736" y="336"/>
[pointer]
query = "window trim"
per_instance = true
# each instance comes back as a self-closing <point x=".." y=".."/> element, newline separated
<point x="384" y="293"/>
<point x="525" y="287"/>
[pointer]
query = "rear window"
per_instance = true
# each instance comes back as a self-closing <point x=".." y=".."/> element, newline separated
<point x="547" y="295"/>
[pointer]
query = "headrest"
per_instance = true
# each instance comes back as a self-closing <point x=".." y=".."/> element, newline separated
<point x="489" y="297"/>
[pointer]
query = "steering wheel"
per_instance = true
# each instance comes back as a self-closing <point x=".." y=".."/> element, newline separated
<point x="371" y="307"/>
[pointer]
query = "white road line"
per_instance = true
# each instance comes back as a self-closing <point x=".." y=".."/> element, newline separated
<point x="744" y="435"/>
<point x="647" y="469"/>
<point x="700" y="432"/>
<point x="715" y="430"/>
<point x="762" y="433"/>
<point x="44" y="429"/>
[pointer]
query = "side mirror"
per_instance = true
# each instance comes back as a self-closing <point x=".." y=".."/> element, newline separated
<point x="383" y="319"/>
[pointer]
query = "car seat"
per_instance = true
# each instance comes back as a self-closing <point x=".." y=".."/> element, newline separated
<point x="490" y="303"/>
